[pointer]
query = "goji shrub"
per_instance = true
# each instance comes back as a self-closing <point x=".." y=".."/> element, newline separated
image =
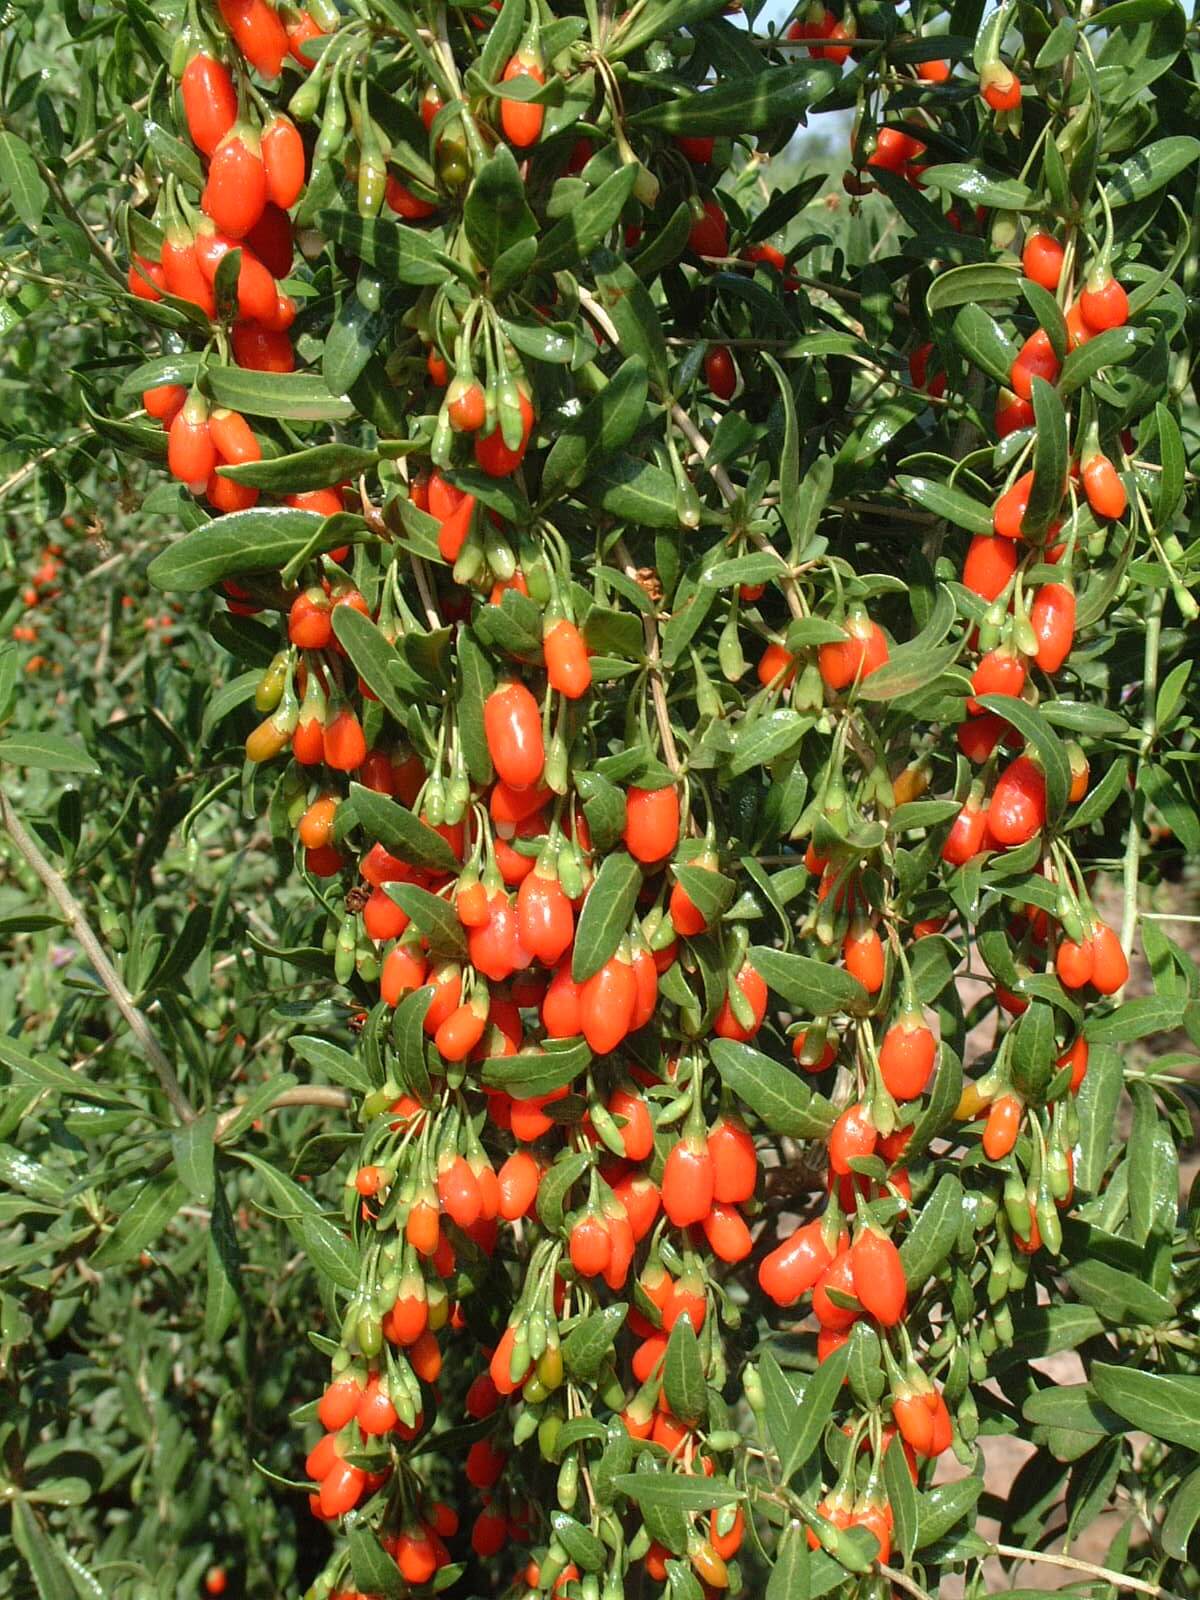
<point x="715" y="661"/>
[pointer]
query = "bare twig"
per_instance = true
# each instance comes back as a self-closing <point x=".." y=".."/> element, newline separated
<point x="72" y="913"/>
<point x="903" y="1581"/>
<point x="1072" y="1564"/>
<point x="313" y="1094"/>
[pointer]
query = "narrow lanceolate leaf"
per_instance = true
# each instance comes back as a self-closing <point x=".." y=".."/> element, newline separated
<point x="683" y="1375"/>
<point x="371" y="654"/>
<point x="48" y="752"/>
<point x="261" y="540"/>
<point x="332" y="1253"/>
<point x="40" y="1552"/>
<point x="777" y="1094"/>
<point x="814" y="987"/>
<point x="286" y="396"/>
<point x="223" y="1291"/>
<point x="142" y="1221"/>
<point x="934" y="1232"/>
<point x="434" y="916"/>
<point x="1164" y="1404"/>
<point x="195" y="1156"/>
<point x="815" y="1404"/>
<point x="304" y="470"/>
<point x="401" y="833"/>
<point x="604" y="919"/>
<point x="20" y="177"/>
<point x="333" y="1061"/>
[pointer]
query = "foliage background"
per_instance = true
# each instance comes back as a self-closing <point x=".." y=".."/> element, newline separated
<point x="137" y="1410"/>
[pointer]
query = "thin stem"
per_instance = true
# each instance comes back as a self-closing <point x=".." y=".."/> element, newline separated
<point x="1137" y="807"/>
<point x="314" y="1094"/>
<point x="74" y="918"/>
<point x="903" y="1581"/>
<point x="1072" y="1564"/>
<point x="654" y="664"/>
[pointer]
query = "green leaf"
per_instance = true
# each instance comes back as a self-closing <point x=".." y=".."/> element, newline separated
<point x="580" y="1543"/>
<point x="399" y="254"/>
<point x="984" y="343"/>
<point x="141" y="1222"/>
<point x="1183" y="1512"/>
<point x="639" y="329"/>
<point x="587" y="1344"/>
<point x="1136" y="1019"/>
<point x="979" y="186"/>
<point x="901" y="1497"/>
<point x="1049" y="747"/>
<point x="814" y="1406"/>
<point x="333" y="1255"/>
<point x="603" y="807"/>
<point x="683" y="1374"/>
<point x="434" y="916"/>
<point x="1119" y="1297"/>
<point x="371" y="655"/>
<point x="1166" y="1405"/>
<point x="949" y="503"/>
<point x="408" y="1037"/>
<point x="503" y="37"/>
<point x="333" y="1061"/>
<point x="934" y="1233"/>
<point x="790" y="1576"/>
<point x="351" y="341"/>
<point x="38" y="1550"/>
<point x="223" y="1277"/>
<point x="777" y="1095"/>
<point x="970" y="285"/>
<point x="497" y="215"/>
<point x="1151" y="169"/>
<point x="304" y="470"/>
<point x="261" y="540"/>
<point x="400" y="832"/>
<point x="604" y="920"/>
<point x="374" y="1570"/>
<point x="555" y="1186"/>
<point x="195" y="1156"/>
<point x="48" y="752"/>
<point x="601" y="428"/>
<point x="476" y="682"/>
<point x="815" y="987"/>
<point x="710" y="892"/>
<point x="578" y="234"/>
<point x="286" y="396"/>
<point x="20" y="176"/>
<point x="634" y="491"/>
<point x="944" y="1506"/>
<point x="918" y="661"/>
<point x="1112" y="348"/>
<point x="743" y="105"/>
<point x="677" y="1491"/>
<point x="1050" y="458"/>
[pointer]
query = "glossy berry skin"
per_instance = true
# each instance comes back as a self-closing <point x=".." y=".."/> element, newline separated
<point x="687" y="1183"/>
<point x="257" y="293"/>
<point x="590" y="1246"/>
<point x="283" y="162"/>
<point x="651" y="823"/>
<point x="210" y="102"/>
<point x="512" y="725"/>
<point x="878" y="1277"/>
<point x="1012" y="414"/>
<point x="1074" y="963"/>
<point x="163" y="401"/>
<point x="726" y="1024"/>
<point x="236" y="195"/>
<point x="345" y="747"/>
<point x="1002" y="1127"/>
<point x="990" y="566"/>
<point x="1110" y="968"/>
<point x="146" y="279"/>
<point x="1018" y="807"/>
<point x="606" y="1005"/>
<point x="1103" y="487"/>
<point x="183" y="275"/>
<point x="521" y="120"/>
<point x="734" y="1160"/>
<point x="545" y="918"/>
<point x="1103" y="304"/>
<point x="636" y="1127"/>
<point x="906" y="1058"/>
<point x="795" y="1265"/>
<point x="1035" y="360"/>
<point x="967" y="834"/>
<point x="1053" y="617"/>
<point x="310" y="620"/>
<point x="776" y="666"/>
<point x="999" y="87"/>
<point x="862" y="953"/>
<point x="191" y="454"/>
<point x="838" y="1275"/>
<point x="491" y="452"/>
<point x="709" y="235"/>
<point x="719" y="372"/>
<point x="853" y="1135"/>
<point x="258" y="33"/>
<point x="1011" y="507"/>
<point x="1042" y="260"/>
<point x="262" y="349"/>
<point x="864" y="652"/>
<point x="999" y="672"/>
<point x="567" y="665"/>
